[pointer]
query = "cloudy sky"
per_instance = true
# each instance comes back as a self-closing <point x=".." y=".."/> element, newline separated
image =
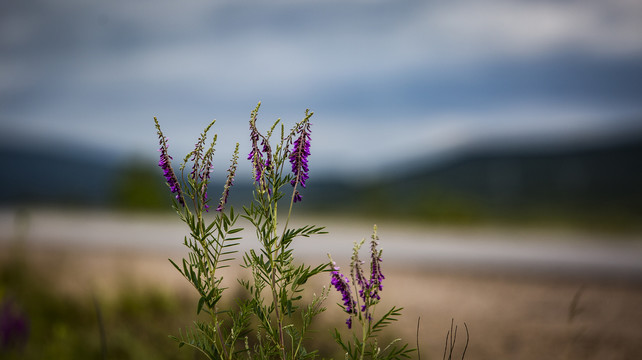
<point x="385" y="79"/>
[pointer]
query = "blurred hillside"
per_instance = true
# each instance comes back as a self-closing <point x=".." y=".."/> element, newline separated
<point x="77" y="177"/>
<point x="594" y="184"/>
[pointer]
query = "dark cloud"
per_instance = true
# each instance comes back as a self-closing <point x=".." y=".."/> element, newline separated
<point x="70" y="66"/>
<point x="569" y="79"/>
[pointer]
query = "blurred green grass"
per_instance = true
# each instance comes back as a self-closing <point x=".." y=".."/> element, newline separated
<point x="128" y="322"/>
<point x="136" y="322"/>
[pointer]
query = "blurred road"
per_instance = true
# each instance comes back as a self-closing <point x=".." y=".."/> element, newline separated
<point x="540" y="252"/>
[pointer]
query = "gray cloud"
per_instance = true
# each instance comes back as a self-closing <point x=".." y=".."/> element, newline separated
<point x="98" y="72"/>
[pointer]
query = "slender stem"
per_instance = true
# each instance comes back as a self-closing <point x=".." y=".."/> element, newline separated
<point x="214" y="312"/>
<point x="418" y="350"/>
<point x="218" y="331"/>
<point x="212" y="265"/>
<point x="101" y="327"/>
<point x="364" y="331"/>
<point x="278" y="314"/>
<point x="272" y="249"/>
<point x="287" y="220"/>
<point x="277" y="304"/>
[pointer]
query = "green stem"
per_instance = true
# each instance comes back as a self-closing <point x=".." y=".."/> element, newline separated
<point x="279" y="314"/>
<point x="277" y="304"/>
<point x="364" y="330"/>
<point x="287" y="220"/>
<point x="213" y="279"/>
<point x="273" y="251"/>
<point x="212" y="265"/>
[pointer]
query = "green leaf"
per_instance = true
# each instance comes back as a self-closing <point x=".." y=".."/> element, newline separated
<point x="201" y="302"/>
<point x="176" y="266"/>
<point x="387" y="319"/>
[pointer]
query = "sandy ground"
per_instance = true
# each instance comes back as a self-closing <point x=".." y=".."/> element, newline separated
<point x="509" y="316"/>
<point x="516" y="317"/>
<point x="511" y="312"/>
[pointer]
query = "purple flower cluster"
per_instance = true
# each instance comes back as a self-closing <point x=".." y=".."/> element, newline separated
<point x="368" y="288"/>
<point x="199" y="159"/>
<point x="267" y="150"/>
<point x="14" y="326"/>
<point x="357" y="274"/>
<point x="261" y="153"/>
<point x="202" y="164"/>
<point x="376" y="277"/>
<point x="166" y="164"/>
<point x="299" y="157"/>
<point x="205" y="175"/>
<point x="196" y="156"/>
<point x="230" y="180"/>
<point x="259" y="165"/>
<point x="340" y="282"/>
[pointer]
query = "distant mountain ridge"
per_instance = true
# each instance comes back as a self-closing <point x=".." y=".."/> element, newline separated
<point x="592" y="182"/>
<point x="601" y="182"/>
<point x="51" y="176"/>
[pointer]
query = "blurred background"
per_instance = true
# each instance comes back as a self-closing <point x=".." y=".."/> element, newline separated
<point x="496" y="142"/>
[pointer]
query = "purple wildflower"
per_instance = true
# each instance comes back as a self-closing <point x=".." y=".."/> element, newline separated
<point x="368" y="289"/>
<point x="166" y="165"/>
<point x="376" y="277"/>
<point x="340" y="282"/>
<point x="357" y="275"/>
<point x="205" y="205"/>
<point x="197" y="155"/>
<point x="14" y="326"/>
<point x="267" y="150"/>
<point x="364" y="285"/>
<point x="230" y="180"/>
<point x="299" y="155"/>
<point x="255" y="155"/>
<point x="205" y="173"/>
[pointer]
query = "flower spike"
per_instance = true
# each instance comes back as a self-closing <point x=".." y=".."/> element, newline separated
<point x="197" y="154"/>
<point x="166" y="165"/>
<point x="368" y="289"/>
<point x="300" y="153"/>
<point x="340" y="282"/>
<point x="376" y="277"/>
<point x="206" y="170"/>
<point x="230" y="179"/>
<point x="255" y="155"/>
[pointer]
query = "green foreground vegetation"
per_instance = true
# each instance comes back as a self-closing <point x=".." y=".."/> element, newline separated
<point x="132" y="322"/>
<point x="133" y="325"/>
